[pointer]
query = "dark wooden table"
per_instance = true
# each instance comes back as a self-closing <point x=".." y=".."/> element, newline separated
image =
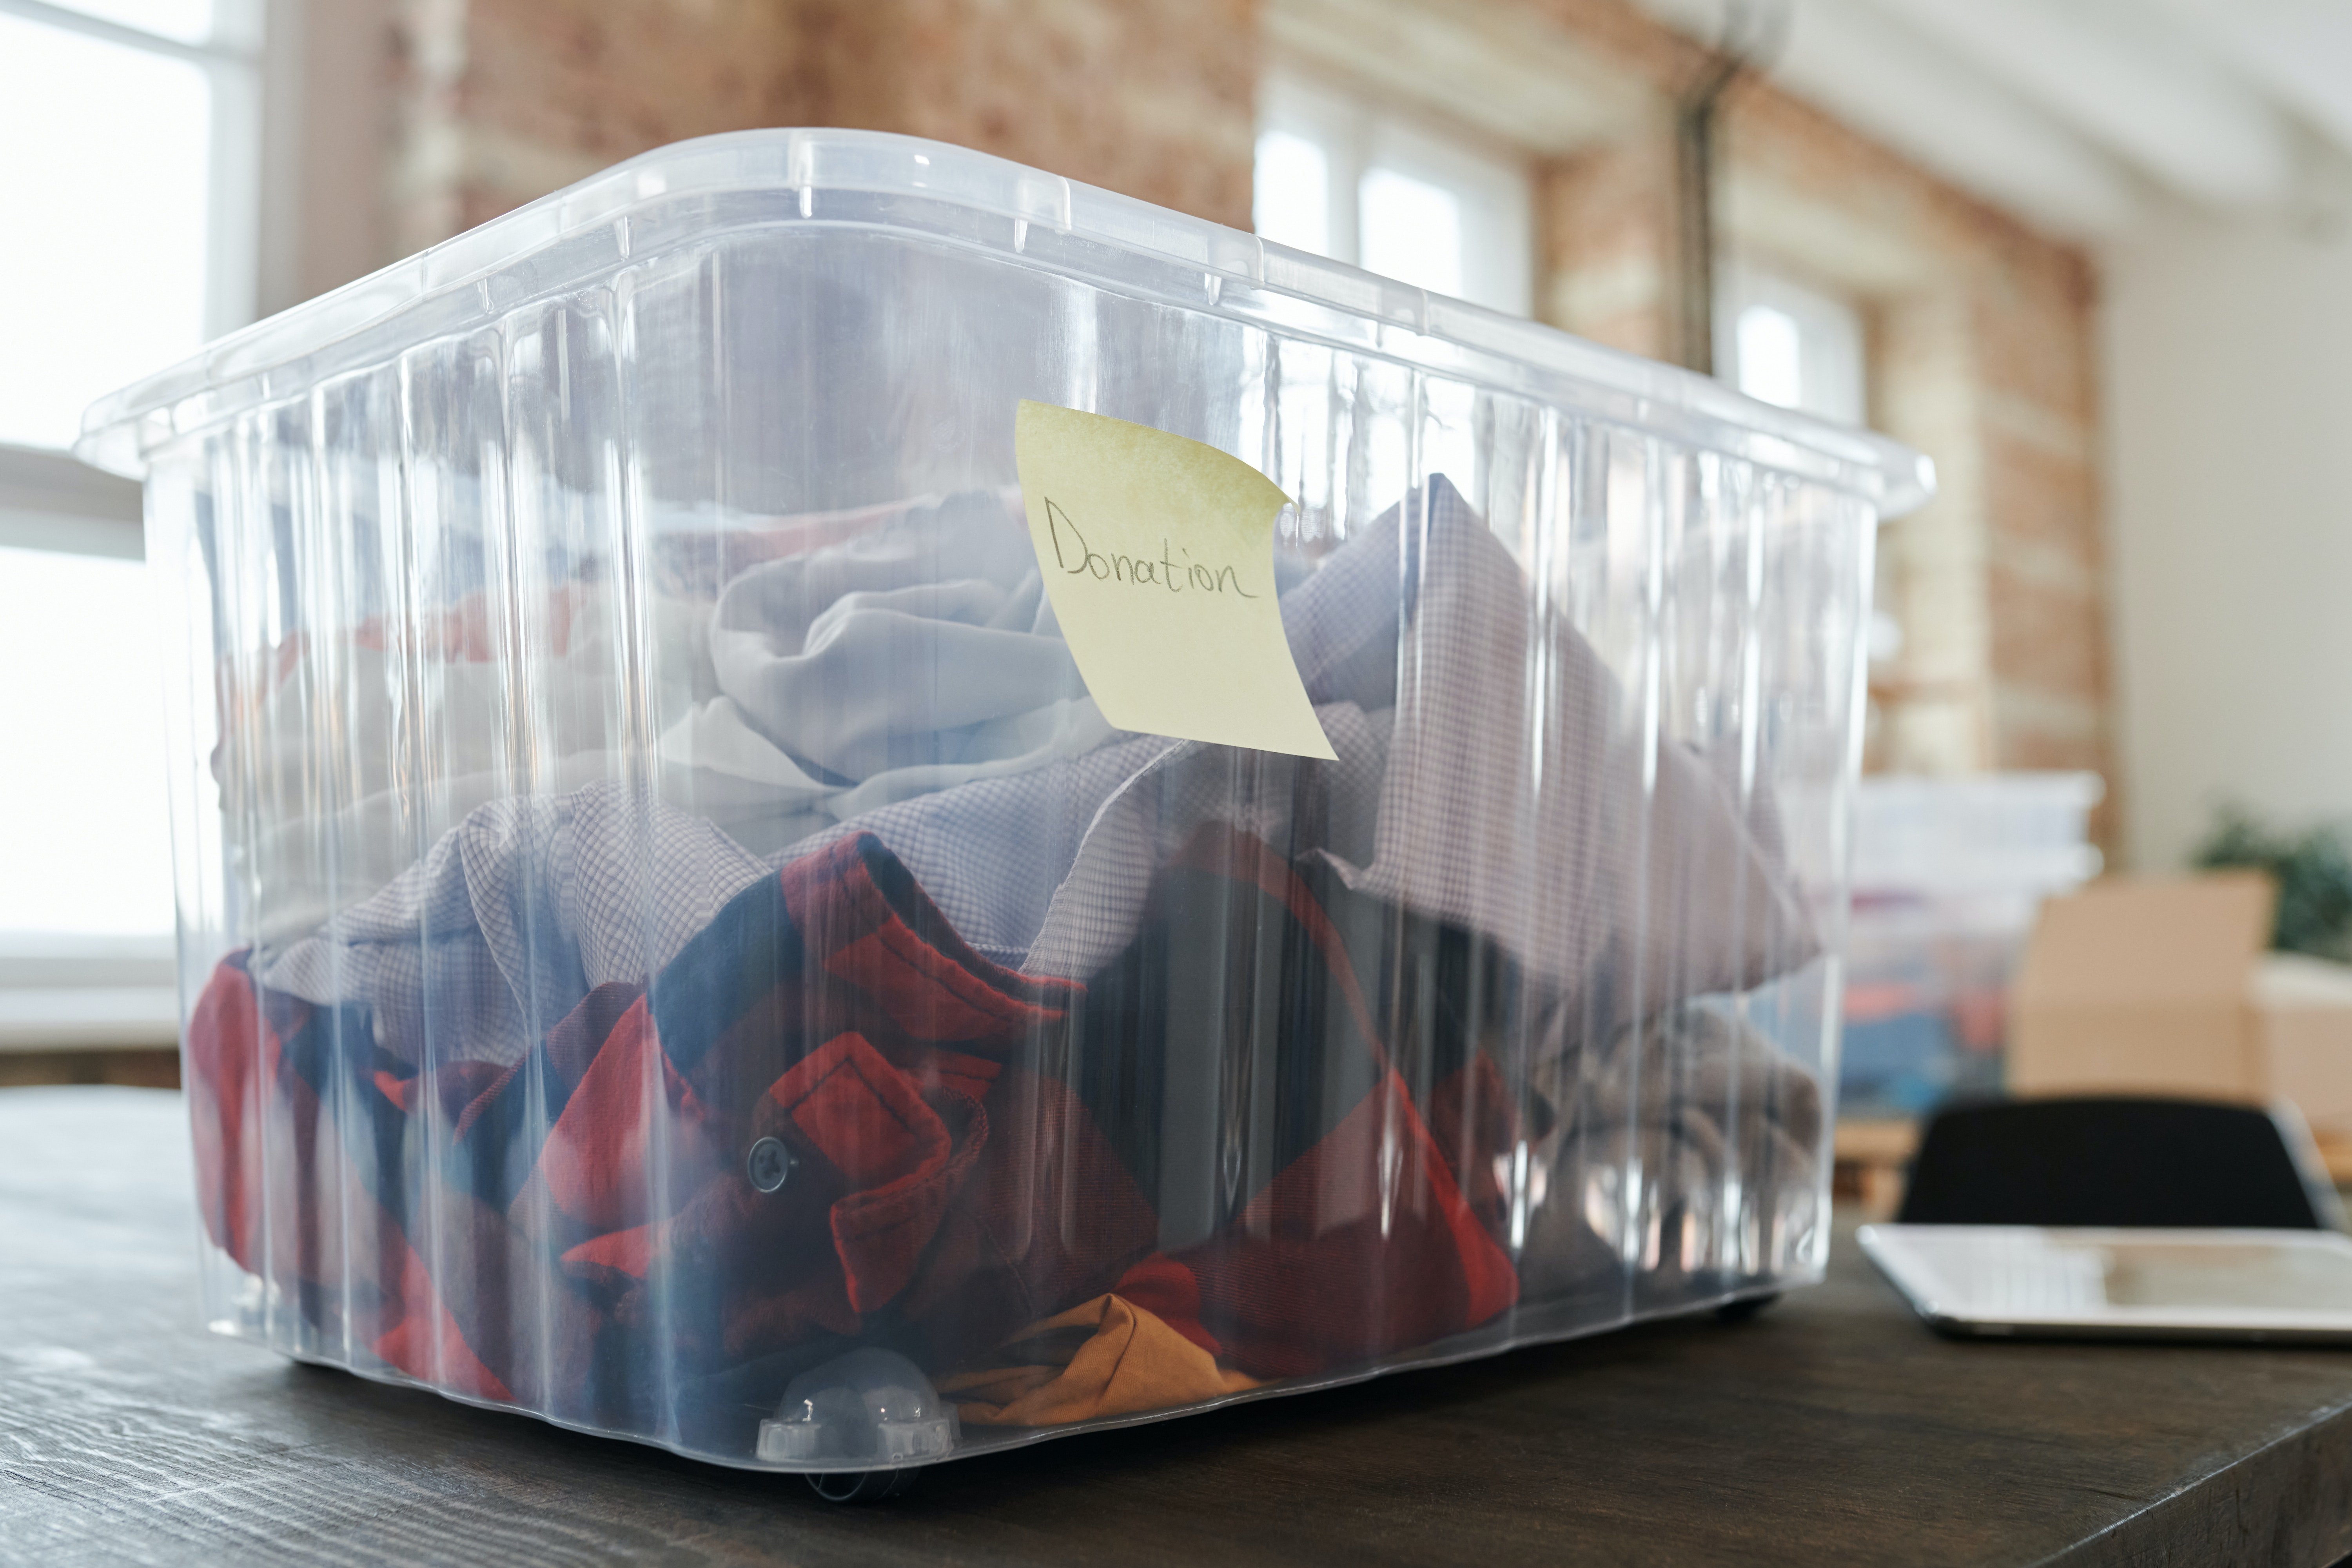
<point x="1833" y="1429"/>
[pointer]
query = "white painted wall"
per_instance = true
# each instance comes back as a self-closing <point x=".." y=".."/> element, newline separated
<point x="327" y="129"/>
<point x="2228" y="376"/>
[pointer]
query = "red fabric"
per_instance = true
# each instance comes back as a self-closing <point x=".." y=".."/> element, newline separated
<point x="1367" y="1243"/>
<point x="1364" y="1247"/>
<point x="1173" y="1294"/>
<point x="889" y="1150"/>
<point x="894" y="982"/>
<point x="1474" y="1122"/>
<point x="552" y="1231"/>
<point x="630" y="1120"/>
<point x="272" y="1179"/>
<point x="426" y="1342"/>
<point x="228" y="1046"/>
<point x="629" y="1252"/>
<point x="862" y="1114"/>
<point x="579" y="1231"/>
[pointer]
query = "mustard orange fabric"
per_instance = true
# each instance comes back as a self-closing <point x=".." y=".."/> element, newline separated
<point x="1125" y="1361"/>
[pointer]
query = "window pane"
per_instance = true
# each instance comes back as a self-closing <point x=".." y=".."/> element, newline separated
<point x="1293" y="201"/>
<point x="85" y="829"/>
<point x="189" y="21"/>
<point x="1772" y="356"/>
<point x="103" y="158"/>
<point x="1412" y="231"/>
<point x="1781" y="341"/>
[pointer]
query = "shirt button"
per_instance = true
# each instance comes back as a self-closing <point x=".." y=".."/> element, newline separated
<point x="769" y="1165"/>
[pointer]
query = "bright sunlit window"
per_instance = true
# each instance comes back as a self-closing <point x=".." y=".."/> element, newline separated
<point x="1294" y="191"/>
<point x="1411" y="230"/>
<point x="1772" y="356"/>
<point x="129" y="173"/>
<point x="128" y="126"/>
<point x="182" y="21"/>
<point x="1779" y="341"/>
<point x="1344" y="178"/>
<point x="86" y="846"/>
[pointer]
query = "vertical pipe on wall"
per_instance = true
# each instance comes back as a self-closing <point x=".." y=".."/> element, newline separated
<point x="1753" y="32"/>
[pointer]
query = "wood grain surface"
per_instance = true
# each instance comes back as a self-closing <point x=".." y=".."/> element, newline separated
<point x="1831" y="1429"/>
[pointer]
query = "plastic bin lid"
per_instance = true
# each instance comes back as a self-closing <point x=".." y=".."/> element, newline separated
<point x="1979" y="833"/>
<point x="583" y="233"/>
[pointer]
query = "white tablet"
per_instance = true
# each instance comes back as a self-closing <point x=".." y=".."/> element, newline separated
<point x="2004" y="1280"/>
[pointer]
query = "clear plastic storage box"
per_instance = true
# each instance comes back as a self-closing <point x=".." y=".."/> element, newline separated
<point x="1949" y="874"/>
<point x="674" y="943"/>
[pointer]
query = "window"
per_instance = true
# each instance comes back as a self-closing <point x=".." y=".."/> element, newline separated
<point x="1779" y="341"/>
<point x="1342" y="178"/>
<point x="129" y="152"/>
<point x="1782" y="342"/>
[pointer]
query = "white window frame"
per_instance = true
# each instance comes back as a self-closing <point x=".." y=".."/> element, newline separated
<point x="70" y="992"/>
<point x="1495" y="187"/>
<point x="43" y="502"/>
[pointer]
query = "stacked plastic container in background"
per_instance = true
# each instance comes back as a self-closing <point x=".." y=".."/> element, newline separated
<point x="671" y="943"/>
<point x="1948" y="873"/>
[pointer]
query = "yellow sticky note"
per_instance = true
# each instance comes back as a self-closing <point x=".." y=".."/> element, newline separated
<point x="1157" y="553"/>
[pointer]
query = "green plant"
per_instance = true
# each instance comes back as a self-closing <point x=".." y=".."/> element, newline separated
<point x="2313" y="872"/>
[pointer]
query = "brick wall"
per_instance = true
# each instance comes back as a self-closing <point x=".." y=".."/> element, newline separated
<point x="1981" y="328"/>
<point x="1153" y="98"/>
<point x="1606" y="238"/>
<point x="1982" y="354"/>
<point x="503" y="101"/>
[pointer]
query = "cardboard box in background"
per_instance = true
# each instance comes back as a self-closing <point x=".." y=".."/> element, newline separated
<point x="2144" y="986"/>
<point x="2302" y="1010"/>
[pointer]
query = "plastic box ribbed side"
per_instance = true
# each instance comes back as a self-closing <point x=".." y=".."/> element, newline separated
<point x="671" y="943"/>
